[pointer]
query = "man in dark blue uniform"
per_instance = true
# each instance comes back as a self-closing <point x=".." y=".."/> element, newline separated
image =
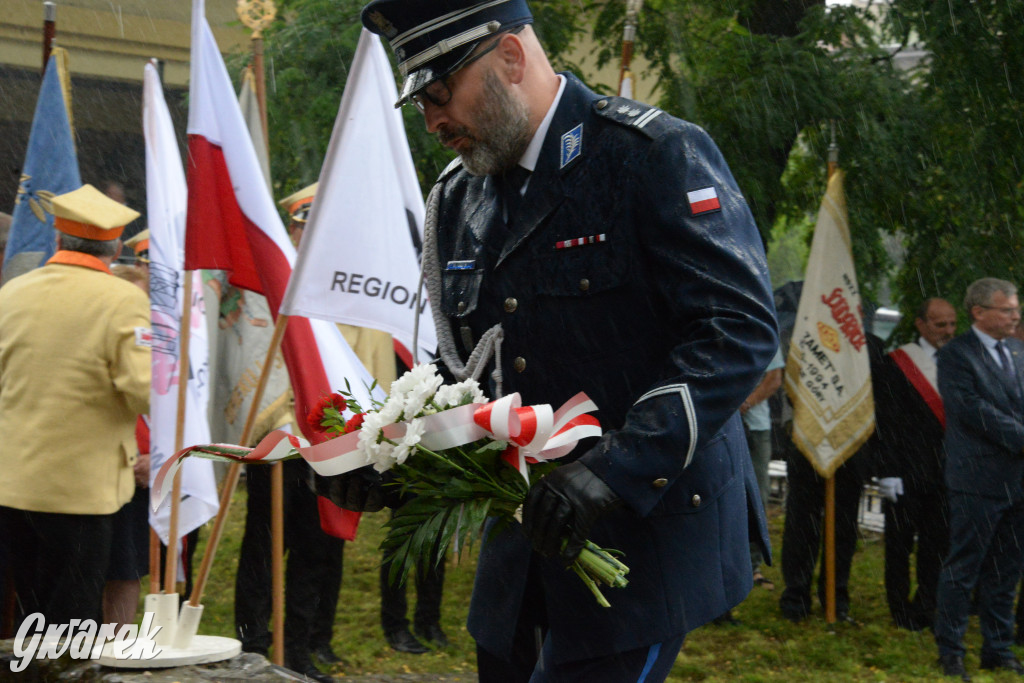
<point x="588" y="243"/>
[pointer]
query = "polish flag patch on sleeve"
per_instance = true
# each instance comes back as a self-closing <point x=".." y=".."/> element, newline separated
<point x="703" y="200"/>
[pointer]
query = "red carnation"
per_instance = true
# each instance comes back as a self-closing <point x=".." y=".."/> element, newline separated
<point x="355" y="422"/>
<point x="316" y="416"/>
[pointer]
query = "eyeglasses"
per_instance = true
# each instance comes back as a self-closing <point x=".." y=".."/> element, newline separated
<point x="439" y="92"/>
<point x="1007" y="310"/>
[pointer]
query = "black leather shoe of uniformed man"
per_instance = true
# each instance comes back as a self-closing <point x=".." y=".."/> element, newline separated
<point x="953" y="665"/>
<point x="433" y="634"/>
<point x="326" y="655"/>
<point x="305" y="667"/>
<point x="1008" y="662"/>
<point x="403" y="641"/>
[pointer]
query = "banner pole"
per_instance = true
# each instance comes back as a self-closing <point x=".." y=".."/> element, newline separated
<point x="184" y="338"/>
<point x="231" y="480"/>
<point x="277" y="558"/>
<point x="628" y="38"/>
<point x="830" y="483"/>
<point x="830" y="550"/>
<point x="49" y="30"/>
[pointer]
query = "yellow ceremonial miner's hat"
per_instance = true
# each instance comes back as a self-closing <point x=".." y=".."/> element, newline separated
<point x="140" y="245"/>
<point x="298" y="204"/>
<point x="90" y="214"/>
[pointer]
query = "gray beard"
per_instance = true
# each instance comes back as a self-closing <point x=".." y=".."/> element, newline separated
<point x="502" y="124"/>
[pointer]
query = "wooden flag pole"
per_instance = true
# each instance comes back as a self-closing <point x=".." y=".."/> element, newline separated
<point x="628" y="37"/>
<point x="49" y="30"/>
<point x="830" y="483"/>
<point x="184" y="338"/>
<point x="277" y="559"/>
<point x="231" y="480"/>
<point x="154" y="561"/>
<point x="257" y="16"/>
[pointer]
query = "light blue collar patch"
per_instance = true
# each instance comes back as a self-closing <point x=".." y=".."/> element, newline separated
<point x="572" y="145"/>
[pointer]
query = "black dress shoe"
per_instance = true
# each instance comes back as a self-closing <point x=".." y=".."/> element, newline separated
<point x="326" y="655"/>
<point x="953" y="665"/>
<point x="403" y="641"/>
<point x="1007" y="662"/>
<point x="432" y="633"/>
<point x="845" y="618"/>
<point x="795" y="617"/>
<point x="305" y="667"/>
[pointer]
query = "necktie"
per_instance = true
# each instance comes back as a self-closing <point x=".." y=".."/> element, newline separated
<point x="512" y="182"/>
<point x="1008" y="370"/>
<point x="1004" y="358"/>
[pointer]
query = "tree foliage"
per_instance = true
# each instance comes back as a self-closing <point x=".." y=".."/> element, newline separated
<point x="934" y="156"/>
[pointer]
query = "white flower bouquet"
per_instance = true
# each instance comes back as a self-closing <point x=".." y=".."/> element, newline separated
<point x="457" y="460"/>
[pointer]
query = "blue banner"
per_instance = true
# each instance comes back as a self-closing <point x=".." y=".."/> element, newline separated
<point x="51" y="168"/>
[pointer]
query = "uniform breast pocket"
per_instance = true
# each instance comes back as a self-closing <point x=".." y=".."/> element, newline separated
<point x="460" y="290"/>
<point x="582" y="271"/>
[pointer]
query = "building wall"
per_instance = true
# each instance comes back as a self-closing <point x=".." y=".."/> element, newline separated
<point x="109" y="43"/>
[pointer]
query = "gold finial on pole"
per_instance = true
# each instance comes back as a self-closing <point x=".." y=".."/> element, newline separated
<point x="256" y="15"/>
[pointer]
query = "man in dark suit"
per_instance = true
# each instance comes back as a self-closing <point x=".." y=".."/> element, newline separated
<point x="607" y="245"/>
<point x="981" y="380"/>
<point x="910" y="422"/>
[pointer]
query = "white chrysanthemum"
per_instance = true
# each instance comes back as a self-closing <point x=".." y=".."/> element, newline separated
<point x="407" y="445"/>
<point x="423" y="373"/>
<point x="369" y="435"/>
<point x="391" y="411"/>
<point x="417" y="398"/>
<point x="451" y="395"/>
<point x="383" y="456"/>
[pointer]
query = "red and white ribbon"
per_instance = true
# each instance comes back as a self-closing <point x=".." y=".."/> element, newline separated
<point x="533" y="432"/>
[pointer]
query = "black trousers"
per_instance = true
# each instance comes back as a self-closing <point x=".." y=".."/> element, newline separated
<point x="312" y="574"/>
<point x="532" y="657"/>
<point x="803" y="531"/>
<point x="920" y="515"/>
<point x="393" y="603"/>
<point x="58" y="561"/>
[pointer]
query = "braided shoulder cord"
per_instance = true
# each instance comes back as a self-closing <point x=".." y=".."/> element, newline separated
<point x="430" y="271"/>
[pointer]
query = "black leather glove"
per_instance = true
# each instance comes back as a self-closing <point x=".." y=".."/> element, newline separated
<point x="561" y="508"/>
<point x="360" y="490"/>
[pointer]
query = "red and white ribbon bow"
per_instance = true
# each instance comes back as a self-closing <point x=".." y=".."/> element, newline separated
<point x="535" y="432"/>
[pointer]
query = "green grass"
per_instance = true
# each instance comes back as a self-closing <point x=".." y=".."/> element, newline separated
<point x="764" y="647"/>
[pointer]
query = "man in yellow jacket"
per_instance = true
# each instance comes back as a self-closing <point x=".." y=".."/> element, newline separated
<point x="74" y="375"/>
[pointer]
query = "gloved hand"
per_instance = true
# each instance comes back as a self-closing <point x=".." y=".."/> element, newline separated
<point x="360" y="490"/>
<point x="890" y="488"/>
<point x="562" y="506"/>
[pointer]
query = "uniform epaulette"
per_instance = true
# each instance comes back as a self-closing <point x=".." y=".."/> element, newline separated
<point x="643" y="117"/>
<point x="450" y="169"/>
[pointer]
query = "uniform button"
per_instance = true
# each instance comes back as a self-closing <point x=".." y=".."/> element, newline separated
<point x="511" y="305"/>
<point x="462" y="307"/>
<point x="584" y="284"/>
<point x="519" y="364"/>
<point x="602" y="104"/>
<point x="695" y="501"/>
<point x="659" y="482"/>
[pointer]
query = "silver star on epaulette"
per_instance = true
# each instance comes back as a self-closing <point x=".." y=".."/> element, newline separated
<point x="634" y="112"/>
<point x="622" y="110"/>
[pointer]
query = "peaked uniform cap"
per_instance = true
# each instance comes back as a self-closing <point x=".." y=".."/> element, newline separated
<point x="90" y="214"/>
<point x="297" y="205"/>
<point x="139" y="243"/>
<point x="432" y="39"/>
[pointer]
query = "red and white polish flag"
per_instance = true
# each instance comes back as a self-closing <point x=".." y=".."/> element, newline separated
<point x="703" y="200"/>
<point x="233" y="225"/>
